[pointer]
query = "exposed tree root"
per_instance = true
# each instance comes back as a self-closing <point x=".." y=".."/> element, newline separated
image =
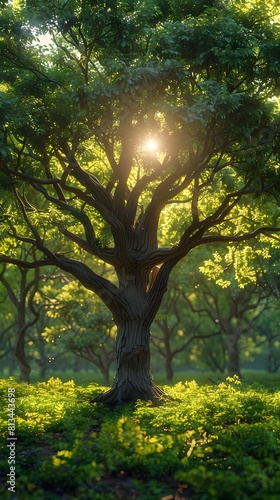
<point x="127" y="393"/>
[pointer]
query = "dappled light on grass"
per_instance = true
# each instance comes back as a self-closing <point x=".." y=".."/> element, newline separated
<point x="222" y="441"/>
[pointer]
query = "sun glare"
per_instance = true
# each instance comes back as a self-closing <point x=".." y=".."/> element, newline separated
<point x="44" y="41"/>
<point x="151" y="146"/>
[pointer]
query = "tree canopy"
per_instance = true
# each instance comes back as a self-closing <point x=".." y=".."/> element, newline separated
<point x="133" y="132"/>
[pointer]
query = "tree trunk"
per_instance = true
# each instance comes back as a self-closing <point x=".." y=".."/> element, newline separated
<point x="233" y="355"/>
<point x="43" y="369"/>
<point x="105" y="374"/>
<point x="133" y="378"/>
<point x="11" y="367"/>
<point x="168" y="369"/>
<point x="24" y="366"/>
<point x="22" y="326"/>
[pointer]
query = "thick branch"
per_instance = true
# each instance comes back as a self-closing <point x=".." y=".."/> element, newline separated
<point x="148" y="224"/>
<point x="9" y="289"/>
<point x="90" y="182"/>
<point x="106" y="255"/>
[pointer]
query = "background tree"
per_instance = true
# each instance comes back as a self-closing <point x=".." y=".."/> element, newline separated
<point x="236" y="290"/>
<point x="83" y="327"/>
<point x="267" y="329"/>
<point x="267" y="337"/>
<point x="6" y="330"/>
<point x="135" y="112"/>
<point x="234" y="312"/>
<point x="176" y="327"/>
<point x="22" y="291"/>
<point x="25" y="299"/>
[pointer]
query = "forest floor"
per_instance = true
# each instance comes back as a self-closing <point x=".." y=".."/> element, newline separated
<point x="217" y="441"/>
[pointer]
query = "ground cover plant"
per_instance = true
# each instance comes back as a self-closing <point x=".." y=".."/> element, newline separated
<point x="213" y="441"/>
<point x="136" y="135"/>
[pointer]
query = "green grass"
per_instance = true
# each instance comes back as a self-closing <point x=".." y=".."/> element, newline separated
<point x="221" y="441"/>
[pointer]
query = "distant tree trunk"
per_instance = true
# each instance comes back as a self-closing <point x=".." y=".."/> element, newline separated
<point x="105" y="360"/>
<point x="24" y="366"/>
<point x="273" y="363"/>
<point x="11" y="367"/>
<point x="168" y="369"/>
<point x="43" y="364"/>
<point x="76" y="367"/>
<point x="105" y="374"/>
<point x="43" y="369"/>
<point x="233" y="355"/>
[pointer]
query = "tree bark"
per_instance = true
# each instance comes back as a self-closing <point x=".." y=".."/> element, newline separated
<point x="133" y="378"/>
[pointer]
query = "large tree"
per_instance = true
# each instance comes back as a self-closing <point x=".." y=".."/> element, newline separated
<point x="136" y="113"/>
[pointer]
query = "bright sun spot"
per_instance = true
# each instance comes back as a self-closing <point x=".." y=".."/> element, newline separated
<point x="151" y="146"/>
<point x="44" y="41"/>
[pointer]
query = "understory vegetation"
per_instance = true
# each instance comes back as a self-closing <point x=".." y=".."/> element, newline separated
<point x="211" y="441"/>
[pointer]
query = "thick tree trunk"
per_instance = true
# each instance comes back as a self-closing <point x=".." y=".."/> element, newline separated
<point x="133" y="378"/>
<point x="233" y="355"/>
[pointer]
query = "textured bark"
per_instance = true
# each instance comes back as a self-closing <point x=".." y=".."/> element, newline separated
<point x="133" y="378"/>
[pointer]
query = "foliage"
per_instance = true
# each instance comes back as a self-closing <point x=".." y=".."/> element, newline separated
<point x="77" y="314"/>
<point x="78" y="114"/>
<point x="81" y="324"/>
<point x="211" y="442"/>
<point x="200" y="80"/>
